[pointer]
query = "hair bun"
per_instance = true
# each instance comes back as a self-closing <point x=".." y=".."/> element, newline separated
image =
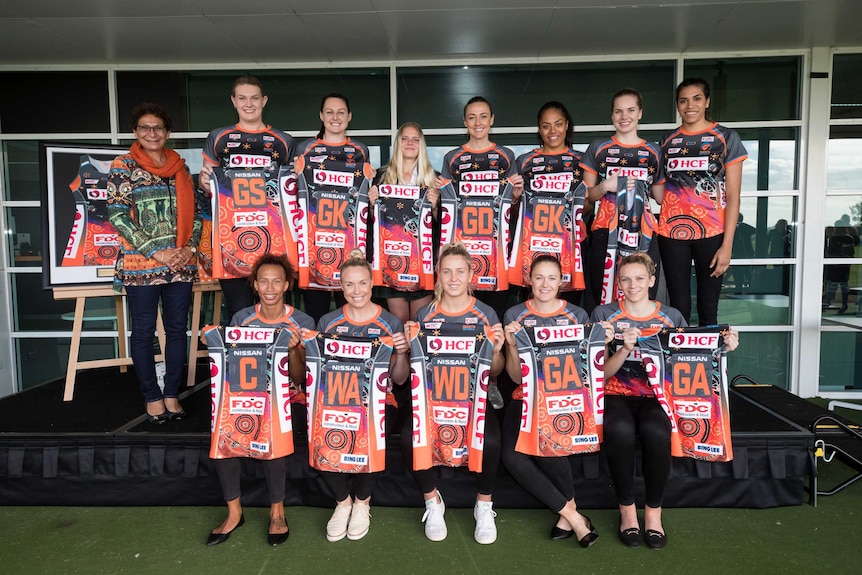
<point x="356" y="253"/>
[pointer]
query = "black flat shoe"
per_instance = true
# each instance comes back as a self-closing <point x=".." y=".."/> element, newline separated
<point x="176" y="415"/>
<point x="630" y="537"/>
<point x="278" y="538"/>
<point x="159" y="419"/>
<point x="558" y="533"/>
<point x="590" y="538"/>
<point x="655" y="539"/>
<point x="219" y="538"/>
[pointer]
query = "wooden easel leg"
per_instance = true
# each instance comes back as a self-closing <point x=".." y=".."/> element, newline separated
<point x="194" y="334"/>
<point x="74" y="349"/>
<point x="121" y="333"/>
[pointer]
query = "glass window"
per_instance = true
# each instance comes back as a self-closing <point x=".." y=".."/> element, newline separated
<point x="764" y="357"/>
<point x="751" y="89"/>
<point x="843" y="168"/>
<point x="842" y="215"/>
<point x="840" y="361"/>
<point x="772" y="162"/>
<point x="842" y="283"/>
<point x="23" y="171"/>
<point x="754" y="295"/>
<point x="35" y="309"/>
<point x="24" y="231"/>
<point x="846" y="86"/>
<point x="766" y="228"/>
<point x="55" y="102"/>
<point x="45" y="359"/>
<point x="435" y="96"/>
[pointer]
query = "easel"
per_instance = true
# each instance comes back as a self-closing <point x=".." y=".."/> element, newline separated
<point x="80" y="295"/>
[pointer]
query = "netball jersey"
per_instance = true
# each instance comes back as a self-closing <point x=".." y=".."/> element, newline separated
<point x="232" y="147"/>
<point x="403" y="250"/>
<point x="631" y="379"/>
<point x="250" y="389"/>
<point x="247" y="205"/>
<point x="690" y="367"/>
<point x="93" y="241"/>
<point x="329" y="216"/>
<point x="549" y="219"/>
<point x="694" y="197"/>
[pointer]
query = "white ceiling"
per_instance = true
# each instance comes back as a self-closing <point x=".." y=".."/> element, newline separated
<point x="35" y="33"/>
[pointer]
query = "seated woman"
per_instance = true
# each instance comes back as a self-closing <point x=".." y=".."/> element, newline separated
<point x="271" y="277"/>
<point x="631" y="407"/>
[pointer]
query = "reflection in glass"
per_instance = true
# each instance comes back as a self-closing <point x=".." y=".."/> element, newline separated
<point x="24" y="236"/>
<point x="842" y="283"/>
<point x="775" y="169"/>
<point x="45" y="359"/>
<point x="843" y="169"/>
<point x="766" y="228"/>
<point x="764" y="357"/>
<point x="840" y="361"/>
<point x="754" y="295"/>
<point x="843" y="212"/>
<point x="846" y="86"/>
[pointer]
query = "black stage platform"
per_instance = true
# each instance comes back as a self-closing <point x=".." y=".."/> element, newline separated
<point x="99" y="450"/>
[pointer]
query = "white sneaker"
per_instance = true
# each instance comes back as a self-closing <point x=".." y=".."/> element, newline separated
<point x="486" y="528"/>
<point x="360" y="520"/>
<point x="435" y="525"/>
<point x="336" y="528"/>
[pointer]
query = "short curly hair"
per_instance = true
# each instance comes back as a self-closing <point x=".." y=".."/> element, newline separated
<point x="145" y="108"/>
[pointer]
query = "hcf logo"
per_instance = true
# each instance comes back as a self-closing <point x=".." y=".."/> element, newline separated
<point x="694" y="340"/>
<point x="249" y="335"/>
<point x="563" y="333"/>
<point x="443" y="344"/>
<point x="348" y="349"/>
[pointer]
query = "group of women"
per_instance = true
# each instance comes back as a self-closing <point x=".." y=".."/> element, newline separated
<point x="152" y="204"/>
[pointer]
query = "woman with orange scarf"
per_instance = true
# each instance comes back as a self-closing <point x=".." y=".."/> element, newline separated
<point x="151" y="203"/>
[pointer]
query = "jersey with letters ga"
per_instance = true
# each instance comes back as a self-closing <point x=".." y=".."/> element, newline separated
<point x="93" y="241"/>
<point x="557" y="404"/>
<point x="249" y="222"/>
<point x="475" y="207"/>
<point x="549" y="217"/>
<point x="250" y="389"/>
<point x="232" y="147"/>
<point x="450" y="360"/>
<point x="403" y="250"/>
<point x="695" y="190"/>
<point x="293" y="320"/>
<point x="632" y="379"/>
<point x="689" y="367"/>
<point x="329" y="216"/>
<point x="348" y="378"/>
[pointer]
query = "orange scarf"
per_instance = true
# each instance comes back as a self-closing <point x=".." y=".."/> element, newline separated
<point x="175" y="166"/>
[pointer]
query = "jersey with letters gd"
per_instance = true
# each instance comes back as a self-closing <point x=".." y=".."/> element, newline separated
<point x="695" y="190"/>
<point x="330" y="213"/>
<point x="549" y="217"/>
<point x="632" y="379"/>
<point x="93" y="241"/>
<point x="475" y="208"/>
<point x="232" y="147"/>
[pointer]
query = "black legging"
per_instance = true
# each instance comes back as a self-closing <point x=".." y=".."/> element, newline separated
<point x="596" y="266"/>
<point x="676" y="257"/>
<point x="229" y="471"/>
<point x="339" y="484"/>
<point x="426" y="479"/>
<point x="237" y="295"/>
<point x="626" y="416"/>
<point x="548" y="479"/>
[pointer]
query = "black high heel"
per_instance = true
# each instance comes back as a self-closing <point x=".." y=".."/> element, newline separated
<point x="159" y="419"/>
<point x="590" y="538"/>
<point x="219" y="538"/>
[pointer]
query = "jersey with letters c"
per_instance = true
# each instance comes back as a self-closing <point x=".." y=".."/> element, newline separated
<point x="93" y="240"/>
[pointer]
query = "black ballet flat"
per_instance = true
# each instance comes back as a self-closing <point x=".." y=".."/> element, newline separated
<point x="630" y="537"/>
<point x="176" y="415"/>
<point x="219" y="538"/>
<point x="590" y="538"/>
<point x="278" y="538"/>
<point x="655" y="539"/>
<point x="558" y="533"/>
<point x="159" y="419"/>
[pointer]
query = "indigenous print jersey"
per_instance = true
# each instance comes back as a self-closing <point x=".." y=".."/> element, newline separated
<point x="549" y="218"/>
<point x="694" y="197"/>
<point x="249" y="219"/>
<point x="403" y="251"/>
<point x="233" y="148"/>
<point x="632" y="379"/>
<point x="557" y="403"/>
<point x="687" y="367"/>
<point x="93" y="241"/>
<point x="251" y="390"/>
<point x="346" y="387"/>
<point x="329" y="216"/>
<point x="475" y="208"/>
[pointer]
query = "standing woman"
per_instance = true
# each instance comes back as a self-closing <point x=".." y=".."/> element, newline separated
<point x="453" y="304"/>
<point x="604" y="161"/>
<point x="548" y="479"/>
<point x="244" y="145"/>
<point x="410" y="167"/>
<point x="331" y="144"/>
<point x="703" y="163"/>
<point x="151" y="203"/>
<point x="271" y="277"/>
<point x="631" y="408"/>
<point x="360" y="317"/>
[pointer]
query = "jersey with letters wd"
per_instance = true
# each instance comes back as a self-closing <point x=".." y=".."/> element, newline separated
<point x="93" y="241"/>
<point x="232" y="147"/>
<point x="248" y="209"/>
<point x="549" y="217"/>
<point x="607" y="156"/>
<point x="688" y="370"/>
<point x="330" y="214"/>
<point x="403" y="250"/>
<point x="632" y="379"/>
<point x="250" y="389"/>
<point x="475" y="208"/>
<point x="293" y="320"/>
<point x="694" y="196"/>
